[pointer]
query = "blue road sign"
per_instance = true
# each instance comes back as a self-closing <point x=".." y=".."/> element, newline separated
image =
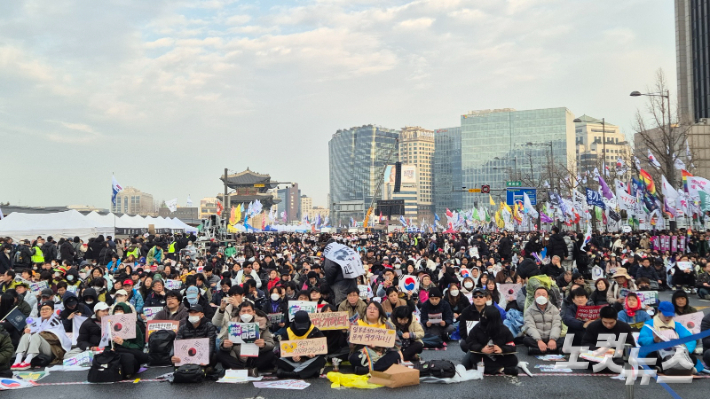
<point x="516" y="194"/>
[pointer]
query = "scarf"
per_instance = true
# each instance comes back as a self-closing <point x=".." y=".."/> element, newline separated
<point x="364" y="323"/>
<point x="659" y="325"/>
<point x="631" y="312"/>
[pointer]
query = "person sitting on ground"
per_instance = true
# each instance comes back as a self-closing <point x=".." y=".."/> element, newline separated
<point x="543" y="325"/>
<point x="6" y="352"/>
<point x="704" y="326"/>
<point x="44" y="335"/>
<point x="392" y="300"/>
<point x="198" y="326"/>
<point x="410" y="333"/>
<point x="622" y="281"/>
<point x="663" y="324"/>
<point x="72" y="308"/>
<point x="230" y="353"/>
<point x="277" y="308"/>
<point x="337" y="340"/>
<point x="368" y="358"/>
<point x="598" y="297"/>
<point x="633" y="313"/>
<point x="353" y="305"/>
<point x="554" y="269"/>
<point x="607" y="324"/>
<point x="437" y="317"/>
<point x="174" y="308"/>
<point x="569" y="315"/>
<point x="680" y="303"/>
<point x="134" y="346"/>
<point x="90" y="331"/>
<point x="491" y="342"/>
<point x="302" y="367"/>
<point x="472" y="315"/>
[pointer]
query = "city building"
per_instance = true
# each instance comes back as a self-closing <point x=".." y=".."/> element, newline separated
<point x="505" y="144"/>
<point x="314" y="211"/>
<point x="416" y="147"/>
<point x="409" y="191"/>
<point x="249" y="186"/>
<point x="693" y="59"/>
<point x="289" y="202"/>
<point x="208" y="207"/>
<point x="306" y="206"/>
<point x="87" y="208"/>
<point x="133" y="202"/>
<point x="356" y="161"/>
<point x="188" y="214"/>
<point x="595" y="137"/>
<point x="447" y="170"/>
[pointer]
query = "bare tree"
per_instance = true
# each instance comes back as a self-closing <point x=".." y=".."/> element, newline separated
<point x="660" y="131"/>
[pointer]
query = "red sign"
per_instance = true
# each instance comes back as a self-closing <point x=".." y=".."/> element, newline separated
<point x="586" y="313"/>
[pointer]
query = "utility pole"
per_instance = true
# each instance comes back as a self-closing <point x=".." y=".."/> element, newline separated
<point x="226" y="198"/>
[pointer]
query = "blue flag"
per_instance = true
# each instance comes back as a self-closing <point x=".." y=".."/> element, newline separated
<point x="17" y="319"/>
<point x="594" y="198"/>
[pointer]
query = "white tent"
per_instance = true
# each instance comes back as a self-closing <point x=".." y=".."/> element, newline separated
<point x="182" y="225"/>
<point x="67" y="224"/>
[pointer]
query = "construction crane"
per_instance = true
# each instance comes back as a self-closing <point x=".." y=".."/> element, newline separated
<point x="366" y="222"/>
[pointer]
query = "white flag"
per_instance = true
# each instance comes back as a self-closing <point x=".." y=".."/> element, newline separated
<point x="652" y="160"/>
<point x="687" y="150"/>
<point x="172" y="204"/>
<point x="679" y="164"/>
<point x="189" y="201"/>
<point x="668" y="190"/>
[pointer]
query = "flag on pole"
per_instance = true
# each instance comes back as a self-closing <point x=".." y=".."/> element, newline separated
<point x="490" y="200"/>
<point x="116" y="189"/>
<point x="687" y="150"/>
<point x="652" y="160"/>
<point x="606" y="192"/>
<point x="679" y="164"/>
<point x="172" y="204"/>
<point x="1" y="215"/>
<point x="587" y="236"/>
<point x="189" y="201"/>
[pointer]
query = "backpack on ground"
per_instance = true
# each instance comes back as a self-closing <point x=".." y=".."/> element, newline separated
<point x="160" y="347"/>
<point x="189" y="373"/>
<point x="41" y="360"/>
<point x="106" y="367"/>
<point x="437" y="368"/>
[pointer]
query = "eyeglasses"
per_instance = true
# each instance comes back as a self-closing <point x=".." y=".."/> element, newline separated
<point x="478" y="296"/>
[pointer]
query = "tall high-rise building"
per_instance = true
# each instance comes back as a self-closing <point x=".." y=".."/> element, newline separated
<point x="594" y="138"/>
<point x="416" y="147"/>
<point x="290" y="203"/>
<point x="133" y="202"/>
<point x="356" y="159"/>
<point x="306" y="205"/>
<point x="693" y="59"/>
<point x="447" y="170"/>
<point x="505" y="144"/>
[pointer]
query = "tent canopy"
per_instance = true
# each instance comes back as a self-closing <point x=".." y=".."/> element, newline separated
<point x="69" y="224"/>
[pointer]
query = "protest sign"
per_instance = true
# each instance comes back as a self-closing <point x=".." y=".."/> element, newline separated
<point x="435" y="318"/>
<point x="151" y="311"/>
<point x="16" y="383"/>
<point x="303" y="347"/>
<point x="72" y="288"/>
<point x="36" y="288"/>
<point x="509" y="291"/>
<point x="470" y="324"/>
<point x="76" y="325"/>
<point x="173" y="284"/>
<point x="192" y="351"/>
<point x="295" y="306"/>
<point x="79" y="361"/>
<point x="691" y="321"/>
<point x="648" y="298"/>
<point x="685" y="266"/>
<point x="240" y="333"/>
<point x="348" y="259"/>
<point x="409" y="284"/>
<point x="372" y="336"/>
<point x="365" y="291"/>
<point x="331" y="321"/>
<point x="122" y="325"/>
<point x="275" y="318"/>
<point x="157" y="325"/>
<point x="586" y="313"/>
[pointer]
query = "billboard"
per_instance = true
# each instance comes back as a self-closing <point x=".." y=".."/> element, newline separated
<point x="409" y="175"/>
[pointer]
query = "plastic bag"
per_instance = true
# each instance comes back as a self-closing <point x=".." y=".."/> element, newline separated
<point x="340" y="380"/>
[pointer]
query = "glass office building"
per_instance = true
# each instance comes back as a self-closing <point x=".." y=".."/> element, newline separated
<point x="693" y="59"/>
<point x="502" y="145"/>
<point x="356" y="158"/>
<point x="447" y="170"/>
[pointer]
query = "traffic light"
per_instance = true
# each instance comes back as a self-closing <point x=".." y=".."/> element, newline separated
<point x="485" y="188"/>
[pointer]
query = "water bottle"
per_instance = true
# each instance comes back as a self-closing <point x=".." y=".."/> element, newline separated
<point x="480" y="368"/>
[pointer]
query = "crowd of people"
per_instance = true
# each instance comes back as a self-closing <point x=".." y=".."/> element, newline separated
<point x="457" y="296"/>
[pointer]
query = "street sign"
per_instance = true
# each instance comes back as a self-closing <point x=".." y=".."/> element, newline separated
<point x="513" y="184"/>
<point x="474" y="190"/>
<point x="486" y="189"/>
<point x="516" y="194"/>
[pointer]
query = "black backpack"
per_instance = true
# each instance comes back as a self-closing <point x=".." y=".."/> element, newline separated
<point x="160" y="347"/>
<point x="189" y="373"/>
<point x="41" y="360"/>
<point x="437" y="368"/>
<point x="106" y="367"/>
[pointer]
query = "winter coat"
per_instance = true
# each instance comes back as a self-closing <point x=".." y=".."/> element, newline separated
<point x="154" y="299"/>
<point x="80" y="308"/>
<point x="442" y="308"/>
<point x="478" y="338"/>
<point x="204" y="330"/>
<point x="7" y="351"/>
<point x="338" y="284"/>
<point x="543" y="325"/>
<point x="514" y="321"/>
<point x="641" y="316"/>
<point x="280" y="306"/>
<point x="67" y="251"/>
<point x="134" y="343"/>
<point x="180" y="314"/>
<point x="89" y="334"/>
<point x="557" y="246"/>
<point x="648" y="272"/>
<point x="264" y="333"/>
<point x="359" y="309"/>
<point x="646" y="335"/>
<point x="612" y="294"/>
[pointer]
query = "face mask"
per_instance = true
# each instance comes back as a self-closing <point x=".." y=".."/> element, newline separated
<point x="89" y="301"/>
<point x="70" y="278"/>
<point x="193" y="319"/>
<point x="468" y="286"/>
<point x="275" y="297"/>
<point x="82" y="276"/>
<point x="489" y="302"/>
<point x="454" y="292"/>
<point x="246" y="318"/>
<point x="541" y="300"/>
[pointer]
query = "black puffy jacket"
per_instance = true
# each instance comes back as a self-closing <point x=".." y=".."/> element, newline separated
<point x="205" y="330"/>
<point x="89" y="334"/>
<point x="557" y="246"/>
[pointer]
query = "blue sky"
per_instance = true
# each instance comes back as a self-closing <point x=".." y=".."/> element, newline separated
<point x="166" y="94"/>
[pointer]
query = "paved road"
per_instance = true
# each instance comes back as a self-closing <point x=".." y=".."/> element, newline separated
<point x="573" y="386"/>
